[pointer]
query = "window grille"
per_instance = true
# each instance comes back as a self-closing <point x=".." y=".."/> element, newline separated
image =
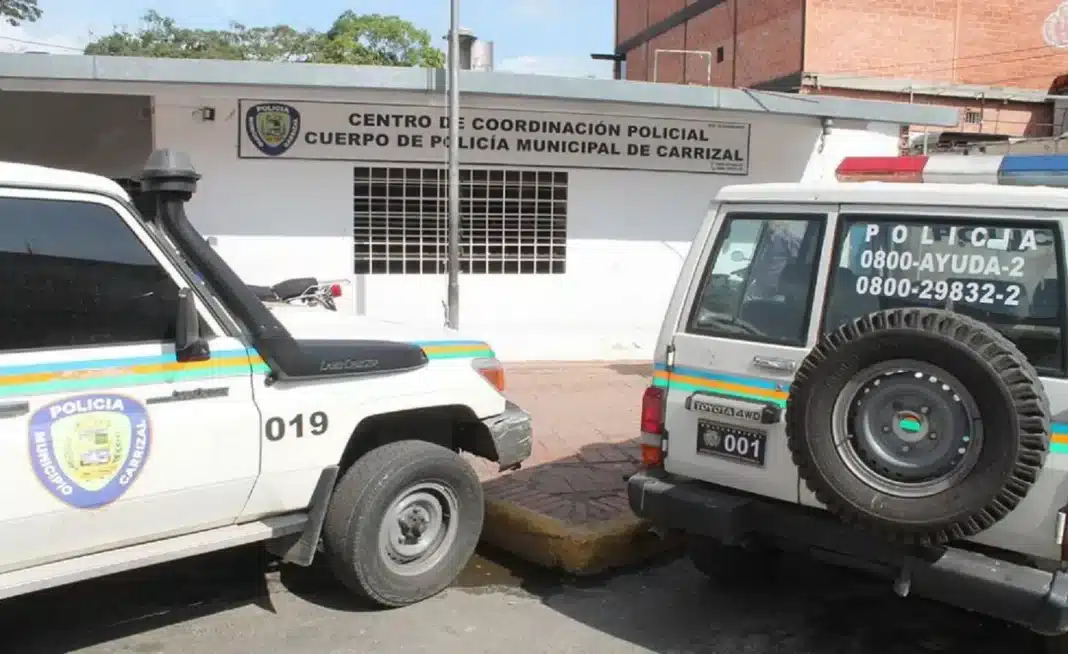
<point x="511" y="221"/>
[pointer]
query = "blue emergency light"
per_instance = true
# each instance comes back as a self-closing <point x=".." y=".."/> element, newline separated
<point x="1007" y="170"/>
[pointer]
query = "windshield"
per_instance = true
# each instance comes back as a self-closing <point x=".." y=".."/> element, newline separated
<point x="1001" y="272"/>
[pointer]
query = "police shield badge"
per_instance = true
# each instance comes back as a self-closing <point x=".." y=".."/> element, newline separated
<point x="272" y="127"/>
<point x="88" y="450"/>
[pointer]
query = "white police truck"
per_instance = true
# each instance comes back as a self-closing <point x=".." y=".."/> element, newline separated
<point x="152" y="407"/>
<point x="881" y="379"/>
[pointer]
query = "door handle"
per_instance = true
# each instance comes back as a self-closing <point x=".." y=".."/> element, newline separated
<point x="14" y="409"/>
<point x="775" y="363"/>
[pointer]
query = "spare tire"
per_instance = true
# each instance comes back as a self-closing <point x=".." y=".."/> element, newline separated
<point x="922" y="425"/>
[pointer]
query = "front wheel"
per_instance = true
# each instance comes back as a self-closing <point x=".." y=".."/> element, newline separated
<point x="403" y="522"/>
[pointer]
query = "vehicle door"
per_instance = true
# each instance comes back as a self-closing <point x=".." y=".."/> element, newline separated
<point x="744" y="329"/>
<point x="106" y="438"/>
<point x="1001" y="267"/>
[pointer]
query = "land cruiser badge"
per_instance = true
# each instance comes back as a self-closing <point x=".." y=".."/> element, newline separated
<point x="88" y="450"/>
<point x="272" y="127"/>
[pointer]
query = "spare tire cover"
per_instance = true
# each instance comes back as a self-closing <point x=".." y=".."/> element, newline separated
<point x="920" y="424"/>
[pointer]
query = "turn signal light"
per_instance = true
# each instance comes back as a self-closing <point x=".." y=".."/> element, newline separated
<point x="652" y="455"/>
<point x="492" y="371"/>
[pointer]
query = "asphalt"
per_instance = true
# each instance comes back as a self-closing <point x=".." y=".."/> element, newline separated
<point x="237" y="603"/>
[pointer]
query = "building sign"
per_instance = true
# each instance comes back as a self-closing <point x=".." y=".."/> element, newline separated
<point x="400" y="133"/>
<point x="1055" y="27"/>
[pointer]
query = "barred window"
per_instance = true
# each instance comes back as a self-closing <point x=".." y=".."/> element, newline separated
<point x="511" y="221"/>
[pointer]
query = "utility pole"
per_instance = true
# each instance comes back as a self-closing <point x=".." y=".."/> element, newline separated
<point x="452" y="310"/>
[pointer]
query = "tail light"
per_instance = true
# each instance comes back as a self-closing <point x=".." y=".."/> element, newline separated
<point x="492" y="371"/>
<point x="652" y="447"/>
<point x="335" y="290"/>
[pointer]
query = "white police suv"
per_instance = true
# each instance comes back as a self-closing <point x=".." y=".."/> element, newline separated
<point x="152" y="407"/>
<point x="875" y="370"/>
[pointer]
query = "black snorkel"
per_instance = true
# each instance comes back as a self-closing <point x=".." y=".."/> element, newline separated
<point x="169" y="181"/>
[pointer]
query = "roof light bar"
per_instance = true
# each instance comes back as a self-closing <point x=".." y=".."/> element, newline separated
<point x="1007" y="170"/>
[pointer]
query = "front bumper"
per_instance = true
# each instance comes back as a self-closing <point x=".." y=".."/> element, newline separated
<point x="1016" y="593"/>
<point x="512" y="433"/>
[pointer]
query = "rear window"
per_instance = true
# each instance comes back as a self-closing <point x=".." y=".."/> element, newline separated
<point x="1003" y="273"/>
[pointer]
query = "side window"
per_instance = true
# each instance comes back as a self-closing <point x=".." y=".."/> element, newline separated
<point x="758" y="283"/>
<point x="74" y="275"/>
<point x="1001" y="272"/>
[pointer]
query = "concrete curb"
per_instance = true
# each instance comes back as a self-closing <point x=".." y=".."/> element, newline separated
<point x="575" y="549"/>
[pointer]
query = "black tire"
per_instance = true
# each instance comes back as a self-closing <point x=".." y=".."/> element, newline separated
<point x="1010" y="400"/>
<point x="1053" y="644"/>
<point x="732" y="565"/>
<point x="358" y="510"/>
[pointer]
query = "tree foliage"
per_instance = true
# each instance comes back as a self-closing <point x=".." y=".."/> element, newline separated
<point x="353" y="39"/>
<point x="15" y="12"/>
<point x="377" y="40"/>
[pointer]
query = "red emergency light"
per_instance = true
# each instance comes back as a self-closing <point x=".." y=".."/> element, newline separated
<point x="1005" y="170"/>
<point x="882" y="169"/>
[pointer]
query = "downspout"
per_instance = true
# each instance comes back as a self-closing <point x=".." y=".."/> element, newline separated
<point x="956" y="44"/>
<point x="804" y="41"/>
<point x="734" y="48"/>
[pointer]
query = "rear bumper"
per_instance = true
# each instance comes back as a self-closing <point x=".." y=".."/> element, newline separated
<point x="1016" y="593"/>
<point x="512" y="433"/>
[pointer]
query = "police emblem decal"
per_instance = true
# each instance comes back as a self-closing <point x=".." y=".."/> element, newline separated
<point x="272" y="127"/>
<point x="88" y="450"/>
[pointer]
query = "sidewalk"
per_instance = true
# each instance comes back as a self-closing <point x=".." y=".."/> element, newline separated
<point x="567" y="507"/>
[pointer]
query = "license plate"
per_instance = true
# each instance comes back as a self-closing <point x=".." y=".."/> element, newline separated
<point x="730" y="442"/>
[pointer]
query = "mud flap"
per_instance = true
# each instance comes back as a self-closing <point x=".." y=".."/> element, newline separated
<point x="300" y="548"/>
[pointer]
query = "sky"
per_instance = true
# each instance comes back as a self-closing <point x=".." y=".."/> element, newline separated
<point x="552" y="37"/>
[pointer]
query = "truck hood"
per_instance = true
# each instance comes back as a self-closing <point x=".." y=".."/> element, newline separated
<point x="315" y="323"/>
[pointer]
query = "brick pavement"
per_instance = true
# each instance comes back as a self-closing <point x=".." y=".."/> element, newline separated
<point x="586" y="418"/>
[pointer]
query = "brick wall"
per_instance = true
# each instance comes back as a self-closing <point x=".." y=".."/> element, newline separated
<point x="768" y="41"/>
<point x="667" y="67"/>
<point x="710" y="31"/>
<point x="986" y="42"/>
<point x="632" y="16"/>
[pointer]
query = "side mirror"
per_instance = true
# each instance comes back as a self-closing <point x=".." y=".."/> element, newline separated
<point x="188" y="345"/>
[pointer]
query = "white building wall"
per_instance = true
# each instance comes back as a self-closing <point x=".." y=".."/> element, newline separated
<point x="628" y="231"/>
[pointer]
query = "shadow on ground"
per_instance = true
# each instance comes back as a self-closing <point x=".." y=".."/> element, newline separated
<point x="808" y="608"/>
<point x="631" y="369"/>
<point x="667" y="608"/>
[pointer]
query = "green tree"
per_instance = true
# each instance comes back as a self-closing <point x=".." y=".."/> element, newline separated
<point x="353" y="39"/>
<point x="377" y="40"/>
<point x="15" y="12"/>
<point x="161" y="37"/>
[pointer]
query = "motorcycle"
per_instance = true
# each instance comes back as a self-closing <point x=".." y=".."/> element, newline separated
<point x="306" y="291"/>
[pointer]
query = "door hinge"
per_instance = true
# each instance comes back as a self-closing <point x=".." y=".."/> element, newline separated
<point x="670" y="356"/>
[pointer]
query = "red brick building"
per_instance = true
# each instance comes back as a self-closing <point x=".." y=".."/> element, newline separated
<point x="997" y="60"/>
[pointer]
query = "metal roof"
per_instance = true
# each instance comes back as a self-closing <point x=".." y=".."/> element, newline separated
<point x="986" y="196"/>
<point x="920" y="87"/>
<point x="135" y="70"/>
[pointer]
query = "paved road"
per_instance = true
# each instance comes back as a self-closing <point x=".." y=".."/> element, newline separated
<point x="228" y="604"/>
